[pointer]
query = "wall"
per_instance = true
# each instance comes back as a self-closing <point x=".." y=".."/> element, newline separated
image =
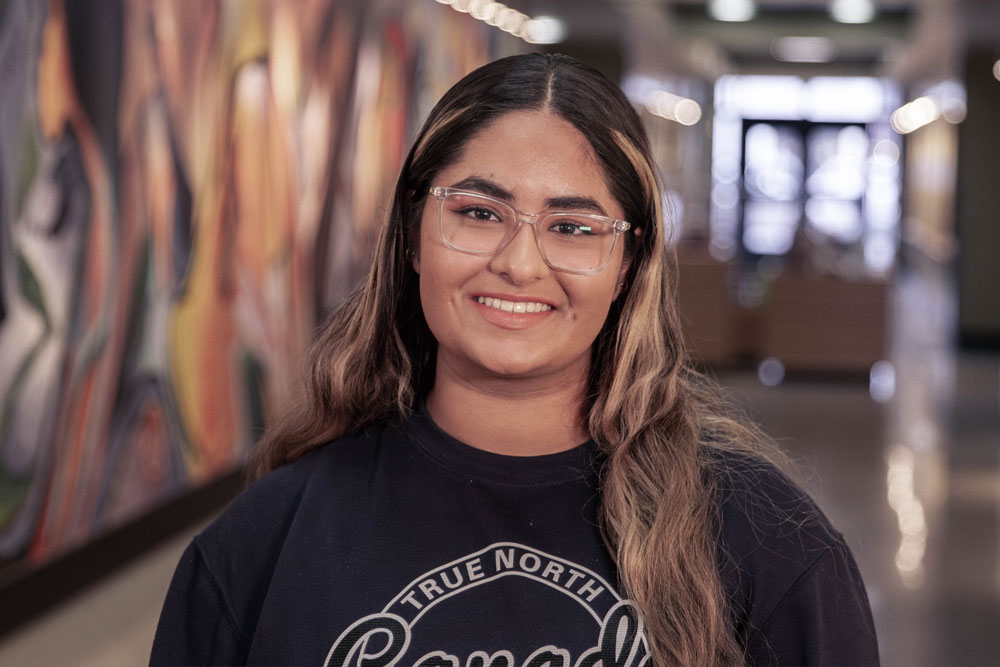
<point x="979" y="204"/>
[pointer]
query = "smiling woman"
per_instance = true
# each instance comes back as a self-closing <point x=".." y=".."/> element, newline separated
<point x="502" y="455"/>
<point x="499" y="357"/>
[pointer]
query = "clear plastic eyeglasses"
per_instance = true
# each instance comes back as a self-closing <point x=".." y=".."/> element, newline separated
<point x="568" y="241"/>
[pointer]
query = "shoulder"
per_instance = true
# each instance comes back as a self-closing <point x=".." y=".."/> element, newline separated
<point x="269" y="501"/>
<point x="770" y="532"/>
<point x="221" y="584"/>
<point x="794" y="587"/>
<point x="761" y="511"/>
<point x="243" y="544"/>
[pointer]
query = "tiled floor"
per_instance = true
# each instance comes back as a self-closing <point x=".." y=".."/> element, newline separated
<point x="913" y="483"/>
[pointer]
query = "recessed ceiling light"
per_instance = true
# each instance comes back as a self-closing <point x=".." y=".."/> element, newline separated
<point x="803" y="49"/>
<point x="852" y="11"/>
<point x="996" y="70"/>
<point x="732" y="10"/>
<point x="545" y="30"/>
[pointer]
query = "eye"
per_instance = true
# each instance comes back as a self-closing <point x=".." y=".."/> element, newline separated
<point x="571" y="227"/>
<point x="479" y="213"/>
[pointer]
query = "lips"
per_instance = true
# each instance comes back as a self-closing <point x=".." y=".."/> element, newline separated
<point x="513" y="312"/>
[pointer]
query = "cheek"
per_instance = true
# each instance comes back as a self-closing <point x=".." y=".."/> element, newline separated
<point x="433" y="293"/>
<point x="592" y="298"/>
<point x="442" y="273"/>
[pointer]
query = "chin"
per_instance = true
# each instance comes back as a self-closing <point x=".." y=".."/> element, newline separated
<point x="514" y="366"/>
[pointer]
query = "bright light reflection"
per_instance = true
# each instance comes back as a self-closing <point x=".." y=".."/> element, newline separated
<point x="886" y="153"/>
<point x="882" y="381"/>
<point x="673" y="107"/>
<point x="484" y="10"/>
<point x="803" y="49"/>
<point x="840" y="155"/>
<point x="538" y="30"/>
<point x="732" y="10"/>
<point x="726" y="195"/>
<point x="773" y="163"/>
<point x="545" y="30"/>
<point x="764" y="96"/>
<point x="914" y="115"/>
<point x="726" y="168"/>
<point x="771" y="372"/>
<point x="847" y="98"/>
<point x="852" y="11"/>
<point x="880" y="252"/>
<point x="836" y="218"/>
<point x="769" y="226"/>
<point x="910" y="516"/>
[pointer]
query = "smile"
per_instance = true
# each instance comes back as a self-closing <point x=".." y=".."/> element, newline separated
<point x="513" y="306"/>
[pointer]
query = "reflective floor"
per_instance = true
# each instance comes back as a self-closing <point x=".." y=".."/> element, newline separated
<point x="912" y="482"/>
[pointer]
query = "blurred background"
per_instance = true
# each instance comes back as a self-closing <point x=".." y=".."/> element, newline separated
<point x="187" y="187"/>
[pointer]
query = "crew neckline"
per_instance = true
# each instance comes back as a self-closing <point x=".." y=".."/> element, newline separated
<point x="572" y="465"/>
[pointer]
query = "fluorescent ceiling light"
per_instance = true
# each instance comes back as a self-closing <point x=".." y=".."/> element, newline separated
<point x="732" y="10"/>
<point x="545" y="30"/>
<point x="803" y="49"/>
<point x="852" y="11"/>
<point x="538" y="30"/>
<point x="914" y="115"/>
<point x="673" y="107"/>
<point x="484" y="10"/>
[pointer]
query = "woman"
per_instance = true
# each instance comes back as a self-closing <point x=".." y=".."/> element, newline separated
<point x="504" y="456"/>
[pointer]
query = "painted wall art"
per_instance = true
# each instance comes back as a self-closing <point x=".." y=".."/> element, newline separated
<point x="187" y="187"/>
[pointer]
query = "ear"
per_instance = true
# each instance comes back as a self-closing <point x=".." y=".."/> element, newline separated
<point x="414" y="258"/>
<point x="620" y="285"/>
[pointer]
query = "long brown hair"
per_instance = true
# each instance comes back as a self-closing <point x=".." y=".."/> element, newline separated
<point x="657" y="419"/>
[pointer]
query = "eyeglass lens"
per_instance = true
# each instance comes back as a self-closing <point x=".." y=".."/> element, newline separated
<point x="573" y="241"/>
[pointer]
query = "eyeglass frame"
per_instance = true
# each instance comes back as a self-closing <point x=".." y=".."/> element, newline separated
<point x="617" y="226"/>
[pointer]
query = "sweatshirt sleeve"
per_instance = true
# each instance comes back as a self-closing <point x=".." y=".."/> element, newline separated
<point x="196" y="626"/>
<point x="823" y="619"/>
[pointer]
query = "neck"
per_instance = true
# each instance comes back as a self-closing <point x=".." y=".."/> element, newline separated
<point x="517" y="417"/>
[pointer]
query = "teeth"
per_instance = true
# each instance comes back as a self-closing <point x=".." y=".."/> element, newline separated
<point x="514" y="306"/>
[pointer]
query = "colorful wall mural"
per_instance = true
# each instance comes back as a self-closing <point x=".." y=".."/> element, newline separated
<point x="186" y="188"/>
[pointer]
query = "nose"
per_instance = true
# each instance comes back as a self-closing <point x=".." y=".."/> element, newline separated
<point x="520" y="260"/>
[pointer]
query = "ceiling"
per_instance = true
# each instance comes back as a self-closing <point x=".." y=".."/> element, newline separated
<point x="910" y="40"/>
<point x="751" y="45"/>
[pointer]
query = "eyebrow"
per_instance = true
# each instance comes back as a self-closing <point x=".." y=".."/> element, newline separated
<point x="569" y="202"/>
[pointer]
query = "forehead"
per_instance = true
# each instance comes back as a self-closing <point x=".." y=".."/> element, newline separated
<point x="535" y="155"/>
